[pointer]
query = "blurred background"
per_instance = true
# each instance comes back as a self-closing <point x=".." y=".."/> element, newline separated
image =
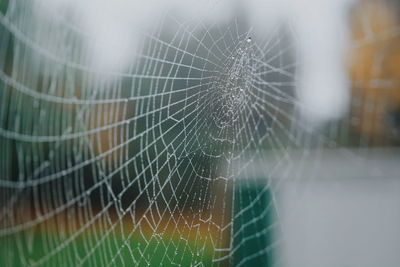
<point x="199" y="133"/>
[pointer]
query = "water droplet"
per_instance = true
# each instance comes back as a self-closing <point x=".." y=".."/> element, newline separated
<point x="248" y="40"/>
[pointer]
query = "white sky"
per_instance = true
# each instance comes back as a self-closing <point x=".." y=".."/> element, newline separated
<point x="323" y="85"/>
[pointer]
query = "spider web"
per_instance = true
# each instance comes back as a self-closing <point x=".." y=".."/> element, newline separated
<point x="154" y="164"/>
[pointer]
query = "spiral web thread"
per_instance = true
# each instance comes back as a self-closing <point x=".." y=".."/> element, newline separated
<point x="155" y="164"/>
